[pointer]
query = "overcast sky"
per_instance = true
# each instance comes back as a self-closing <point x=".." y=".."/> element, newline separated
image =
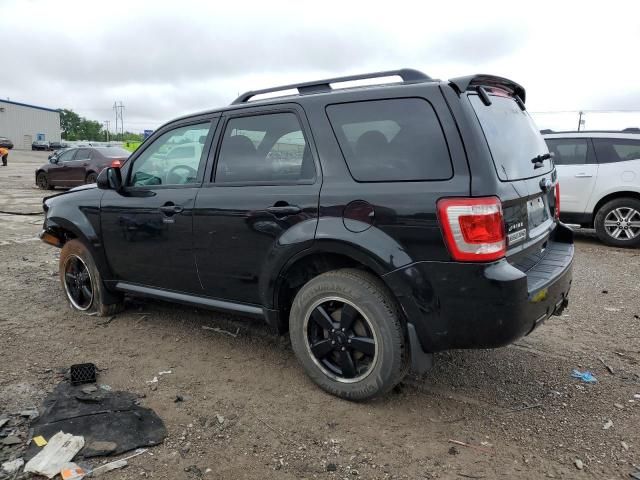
<point x="165" y="59"/>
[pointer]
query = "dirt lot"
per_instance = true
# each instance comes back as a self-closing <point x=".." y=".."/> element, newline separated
<point x="278" y="424"/>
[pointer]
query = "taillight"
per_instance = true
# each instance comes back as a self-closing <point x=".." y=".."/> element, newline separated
<point x="116" y="163"/>
<point x="557" y="192"/>
<point x="473" y="228"/>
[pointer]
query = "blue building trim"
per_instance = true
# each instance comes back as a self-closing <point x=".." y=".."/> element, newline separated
<point x="30" y="106"/>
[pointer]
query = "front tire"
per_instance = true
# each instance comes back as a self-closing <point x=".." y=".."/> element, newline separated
<point x="91" y="178"/>
<point x="42" y="180"/>
<point x="82" y="282"/>
<point x="346" y="331"/>
<point x="617" y="222"/>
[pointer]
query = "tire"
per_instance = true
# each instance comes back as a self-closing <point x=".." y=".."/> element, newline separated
<point x="42" y="180"/>
<point x="91" y="178"/>
<point x="365" y="298"/>
<point x="97" y="299"/>
<point x="612" y="218"/>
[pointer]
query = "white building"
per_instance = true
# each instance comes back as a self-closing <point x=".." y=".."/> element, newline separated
<point x="23" y="124"/>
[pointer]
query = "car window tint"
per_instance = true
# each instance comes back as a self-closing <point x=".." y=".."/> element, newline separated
<point x="175" y="158"/>
<point x="265" y="149"/>
<point x="568" y="151"/>
<point x="616" y="149"/>
<point x="391" y="140"/>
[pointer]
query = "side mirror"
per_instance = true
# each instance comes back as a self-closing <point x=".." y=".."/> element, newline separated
<point x="53" y="159"/>
<point x="110" y="179"/>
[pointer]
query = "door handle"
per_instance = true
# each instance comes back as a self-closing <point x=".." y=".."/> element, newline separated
<point x="583" y="175"/>
<point x="171" y="209"/>
<point x="284" y="210"/>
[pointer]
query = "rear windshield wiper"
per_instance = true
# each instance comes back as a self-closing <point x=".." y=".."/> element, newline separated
<point x="537" y="161"/>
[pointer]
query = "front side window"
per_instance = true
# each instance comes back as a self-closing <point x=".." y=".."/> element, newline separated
<point x="391" y="140"/>
<point x="264" y="149"/>
<point x="67" y="156"/>
<point x="616" y="149"/>
<point x="568" y="151"/>
<point x="175" y="158"/>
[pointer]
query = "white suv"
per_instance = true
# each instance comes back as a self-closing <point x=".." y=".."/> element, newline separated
<point x="599" y="176"/>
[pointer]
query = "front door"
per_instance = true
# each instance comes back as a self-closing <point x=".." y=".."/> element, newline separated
<point x="59" y="172"/>
<point x="577" y="171"/>
<point x="77" y="169"/>
<point x="147" y="227"/>
<point x="264" y="186"/>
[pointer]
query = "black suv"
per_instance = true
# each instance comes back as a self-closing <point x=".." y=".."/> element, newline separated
<point x="378" y="224"/>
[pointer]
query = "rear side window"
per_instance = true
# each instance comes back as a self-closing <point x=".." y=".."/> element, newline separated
<point x="391" y="140"/>
<point x="610" y="150"/>
<point x="512" y="136"/>
<point x="570" y="151"/>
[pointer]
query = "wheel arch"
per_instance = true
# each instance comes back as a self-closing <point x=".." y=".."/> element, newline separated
<point x="323" y="256"/>
<point x="612" y="196"/>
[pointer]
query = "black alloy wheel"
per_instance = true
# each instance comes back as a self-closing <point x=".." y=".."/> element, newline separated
<point x="340" y="339"/>
<point x="77" y="283"/>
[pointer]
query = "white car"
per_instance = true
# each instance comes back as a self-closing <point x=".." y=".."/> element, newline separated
<point x="599" y="174"/>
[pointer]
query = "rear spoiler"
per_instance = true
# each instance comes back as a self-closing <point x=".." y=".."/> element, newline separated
<point x="471" y="82"/>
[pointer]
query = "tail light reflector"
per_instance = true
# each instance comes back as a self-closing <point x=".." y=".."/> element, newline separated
<point x="473" y="228"/>
<point x="557" y="193"/>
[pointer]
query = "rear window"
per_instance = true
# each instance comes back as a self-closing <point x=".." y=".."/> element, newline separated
<point x="610" y="150"/>
<point x="114" y="152"/>
<point x="512" y="136"/>
<point x="391" y="140"/>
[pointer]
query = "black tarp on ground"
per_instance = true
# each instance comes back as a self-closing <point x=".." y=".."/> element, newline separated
<point x="110" y="422"/>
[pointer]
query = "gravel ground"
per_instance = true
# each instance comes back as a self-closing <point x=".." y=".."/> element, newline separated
<point x="517" y="407"/>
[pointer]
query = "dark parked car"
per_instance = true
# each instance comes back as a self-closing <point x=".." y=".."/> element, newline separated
<point x="377" y="224"/>
<point x="77" y="166"/>
<point x="6" y="143"/>
<point x="57" y="146"/>
<point x="40" y="145"/>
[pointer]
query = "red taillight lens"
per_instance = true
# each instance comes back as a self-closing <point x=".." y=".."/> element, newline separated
<point x="473" y="228"/>
<point x="557" y="209"/>
<point x="116" y="164"/>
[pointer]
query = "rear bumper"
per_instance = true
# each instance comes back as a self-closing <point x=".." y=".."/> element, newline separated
<point x="464" y="305"/>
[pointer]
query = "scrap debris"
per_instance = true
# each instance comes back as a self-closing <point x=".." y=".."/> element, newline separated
<point x="60" y="450"/>
<point x="586" y="377"/>
<point x="220" y="330"/>
<point x="468" y="445"/>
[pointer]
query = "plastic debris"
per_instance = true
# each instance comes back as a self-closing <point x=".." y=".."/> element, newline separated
<point x="586" y="377"/>
<point x="154" y="380"/>
<point x="578" y="463"/>
<point x="39" y="441"/>
<point x="13" y="466"/>
<point x="107" y="467"/>
<point x="61" y="449"/>
<point x="166" y="372"/>
<point x="607" y="425"/>
<point x="72" y="471"/>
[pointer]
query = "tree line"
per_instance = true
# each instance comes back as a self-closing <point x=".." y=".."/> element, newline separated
<point x="75" y="127"/>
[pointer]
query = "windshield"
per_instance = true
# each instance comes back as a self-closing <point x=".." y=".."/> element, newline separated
<point x="512" y="136"/>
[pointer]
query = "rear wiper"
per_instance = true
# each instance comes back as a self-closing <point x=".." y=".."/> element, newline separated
<point x="537" y="161"/>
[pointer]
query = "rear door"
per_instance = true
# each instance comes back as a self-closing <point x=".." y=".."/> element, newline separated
<point x="77" y="171"/>
<point x="261" y="201"/>
<point x="577" y="171"/>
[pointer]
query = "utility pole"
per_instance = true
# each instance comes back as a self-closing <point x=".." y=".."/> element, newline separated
<point x="106" y="128"/>
<point x="119" y="109"/>
<point x="580" y="121"/>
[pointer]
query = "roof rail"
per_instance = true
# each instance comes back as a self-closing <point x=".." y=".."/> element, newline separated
<point x="316" y="86"/>
<point x="626" y="130"/>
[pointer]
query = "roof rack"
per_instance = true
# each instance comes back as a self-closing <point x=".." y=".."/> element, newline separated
<point x="547" y="131"/>
<point x="318" y="86"/>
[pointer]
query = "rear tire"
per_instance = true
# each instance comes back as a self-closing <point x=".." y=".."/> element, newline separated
<point x="82" y="282"/>
<point x="346" y="331"/>
<point x="91" y="178"/>
<point x="42" y="180"/>
<point x="617" y="222"/>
